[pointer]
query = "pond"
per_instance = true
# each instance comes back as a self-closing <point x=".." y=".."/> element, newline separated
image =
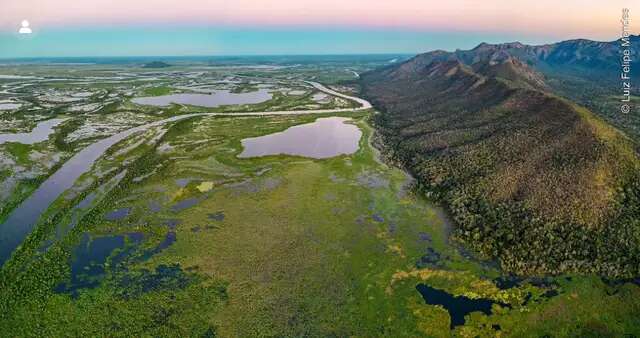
<point x="39" y="134"/>
<point x="457" y="306"/>
<point x="117" y="214"/>
<point x="214" y="99"/>
<point x="184" y="204"/>
<point x="89" y="259"/>
<point x="95" y="257"/>
<point x="324" y="138"/>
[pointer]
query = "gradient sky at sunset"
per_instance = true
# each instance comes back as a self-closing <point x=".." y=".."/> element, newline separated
<point x="223" y="27"/>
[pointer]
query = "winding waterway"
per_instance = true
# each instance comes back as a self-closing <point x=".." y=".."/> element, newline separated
<point x="22" y="220"/>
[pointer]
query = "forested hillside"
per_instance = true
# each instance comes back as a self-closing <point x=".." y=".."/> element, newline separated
<point x="530" y="177"/>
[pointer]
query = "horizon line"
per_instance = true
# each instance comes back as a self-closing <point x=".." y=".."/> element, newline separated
<point x="209" y="55"/>
<point x="2" y="58"/>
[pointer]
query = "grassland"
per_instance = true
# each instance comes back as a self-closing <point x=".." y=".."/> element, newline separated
<point x="274" y="246"/>
<point x="170" y="234"/>
<point x="157" y="91"/>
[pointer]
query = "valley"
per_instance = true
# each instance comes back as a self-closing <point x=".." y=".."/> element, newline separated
<point x="267" y="197"/>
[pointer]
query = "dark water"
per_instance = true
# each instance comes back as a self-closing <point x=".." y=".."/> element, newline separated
<point x="172" y="223"/>
<point x="117" y="214"/>
<point x="457" y="306"/>
<point x="184" y="204"/>
<point x="169" y="239"/>
<point x="218" y="216"/>
<point x="324" y="138"/>
<point x="425" y="237"/>
<point x="377" y="218"/>
<point x="165" y="277"/>
<point x="89" y="258"/>
<point x="430" y="258"/>
<point x="89" y="263"/>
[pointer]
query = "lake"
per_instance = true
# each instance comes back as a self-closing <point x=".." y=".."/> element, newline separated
<point x="39" y="134"/>
<point x="214" y="99"/>
<point x="324" y="138"/>
<point x="457" y="306"/>
<point x="9" y="106"/>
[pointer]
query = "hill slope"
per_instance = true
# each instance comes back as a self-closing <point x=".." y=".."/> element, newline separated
<point x="585" y="71"/>
<point x="530" y="178"/>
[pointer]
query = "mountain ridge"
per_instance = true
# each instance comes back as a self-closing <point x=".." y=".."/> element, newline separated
<point x="529" y="176"/>
<point x="575" y="52"/>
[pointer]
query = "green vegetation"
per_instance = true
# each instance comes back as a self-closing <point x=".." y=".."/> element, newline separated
<point x="19" y="193"/>
<point x="157" y="91"/>
<point x="303" y="248"/>
<point x="531" y="179"/>
<point x="19" y="151"/>
<point x="244" y="88"/>
<point x="63" y="131"/>
<point x="20" y="188"/>
<point x="171" y="234"/>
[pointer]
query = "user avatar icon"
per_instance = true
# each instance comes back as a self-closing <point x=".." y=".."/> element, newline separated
<point x="25" y="28"/>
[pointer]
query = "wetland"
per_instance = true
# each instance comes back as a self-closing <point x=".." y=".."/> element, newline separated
<point x="269" y="217"/>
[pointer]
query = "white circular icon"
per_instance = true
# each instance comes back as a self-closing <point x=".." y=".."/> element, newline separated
<point x="25" y="28"/>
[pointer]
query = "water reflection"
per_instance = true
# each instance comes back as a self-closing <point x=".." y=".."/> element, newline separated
<point x="39" y="134"/>
<point x="215" y="99"/>
<point x="324" y="138"/>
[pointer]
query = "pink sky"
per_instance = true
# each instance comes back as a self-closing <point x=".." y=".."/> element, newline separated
<point x="596" y="19"/>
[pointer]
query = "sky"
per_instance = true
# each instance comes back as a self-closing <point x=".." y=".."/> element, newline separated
<point x="262" y="27"/>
